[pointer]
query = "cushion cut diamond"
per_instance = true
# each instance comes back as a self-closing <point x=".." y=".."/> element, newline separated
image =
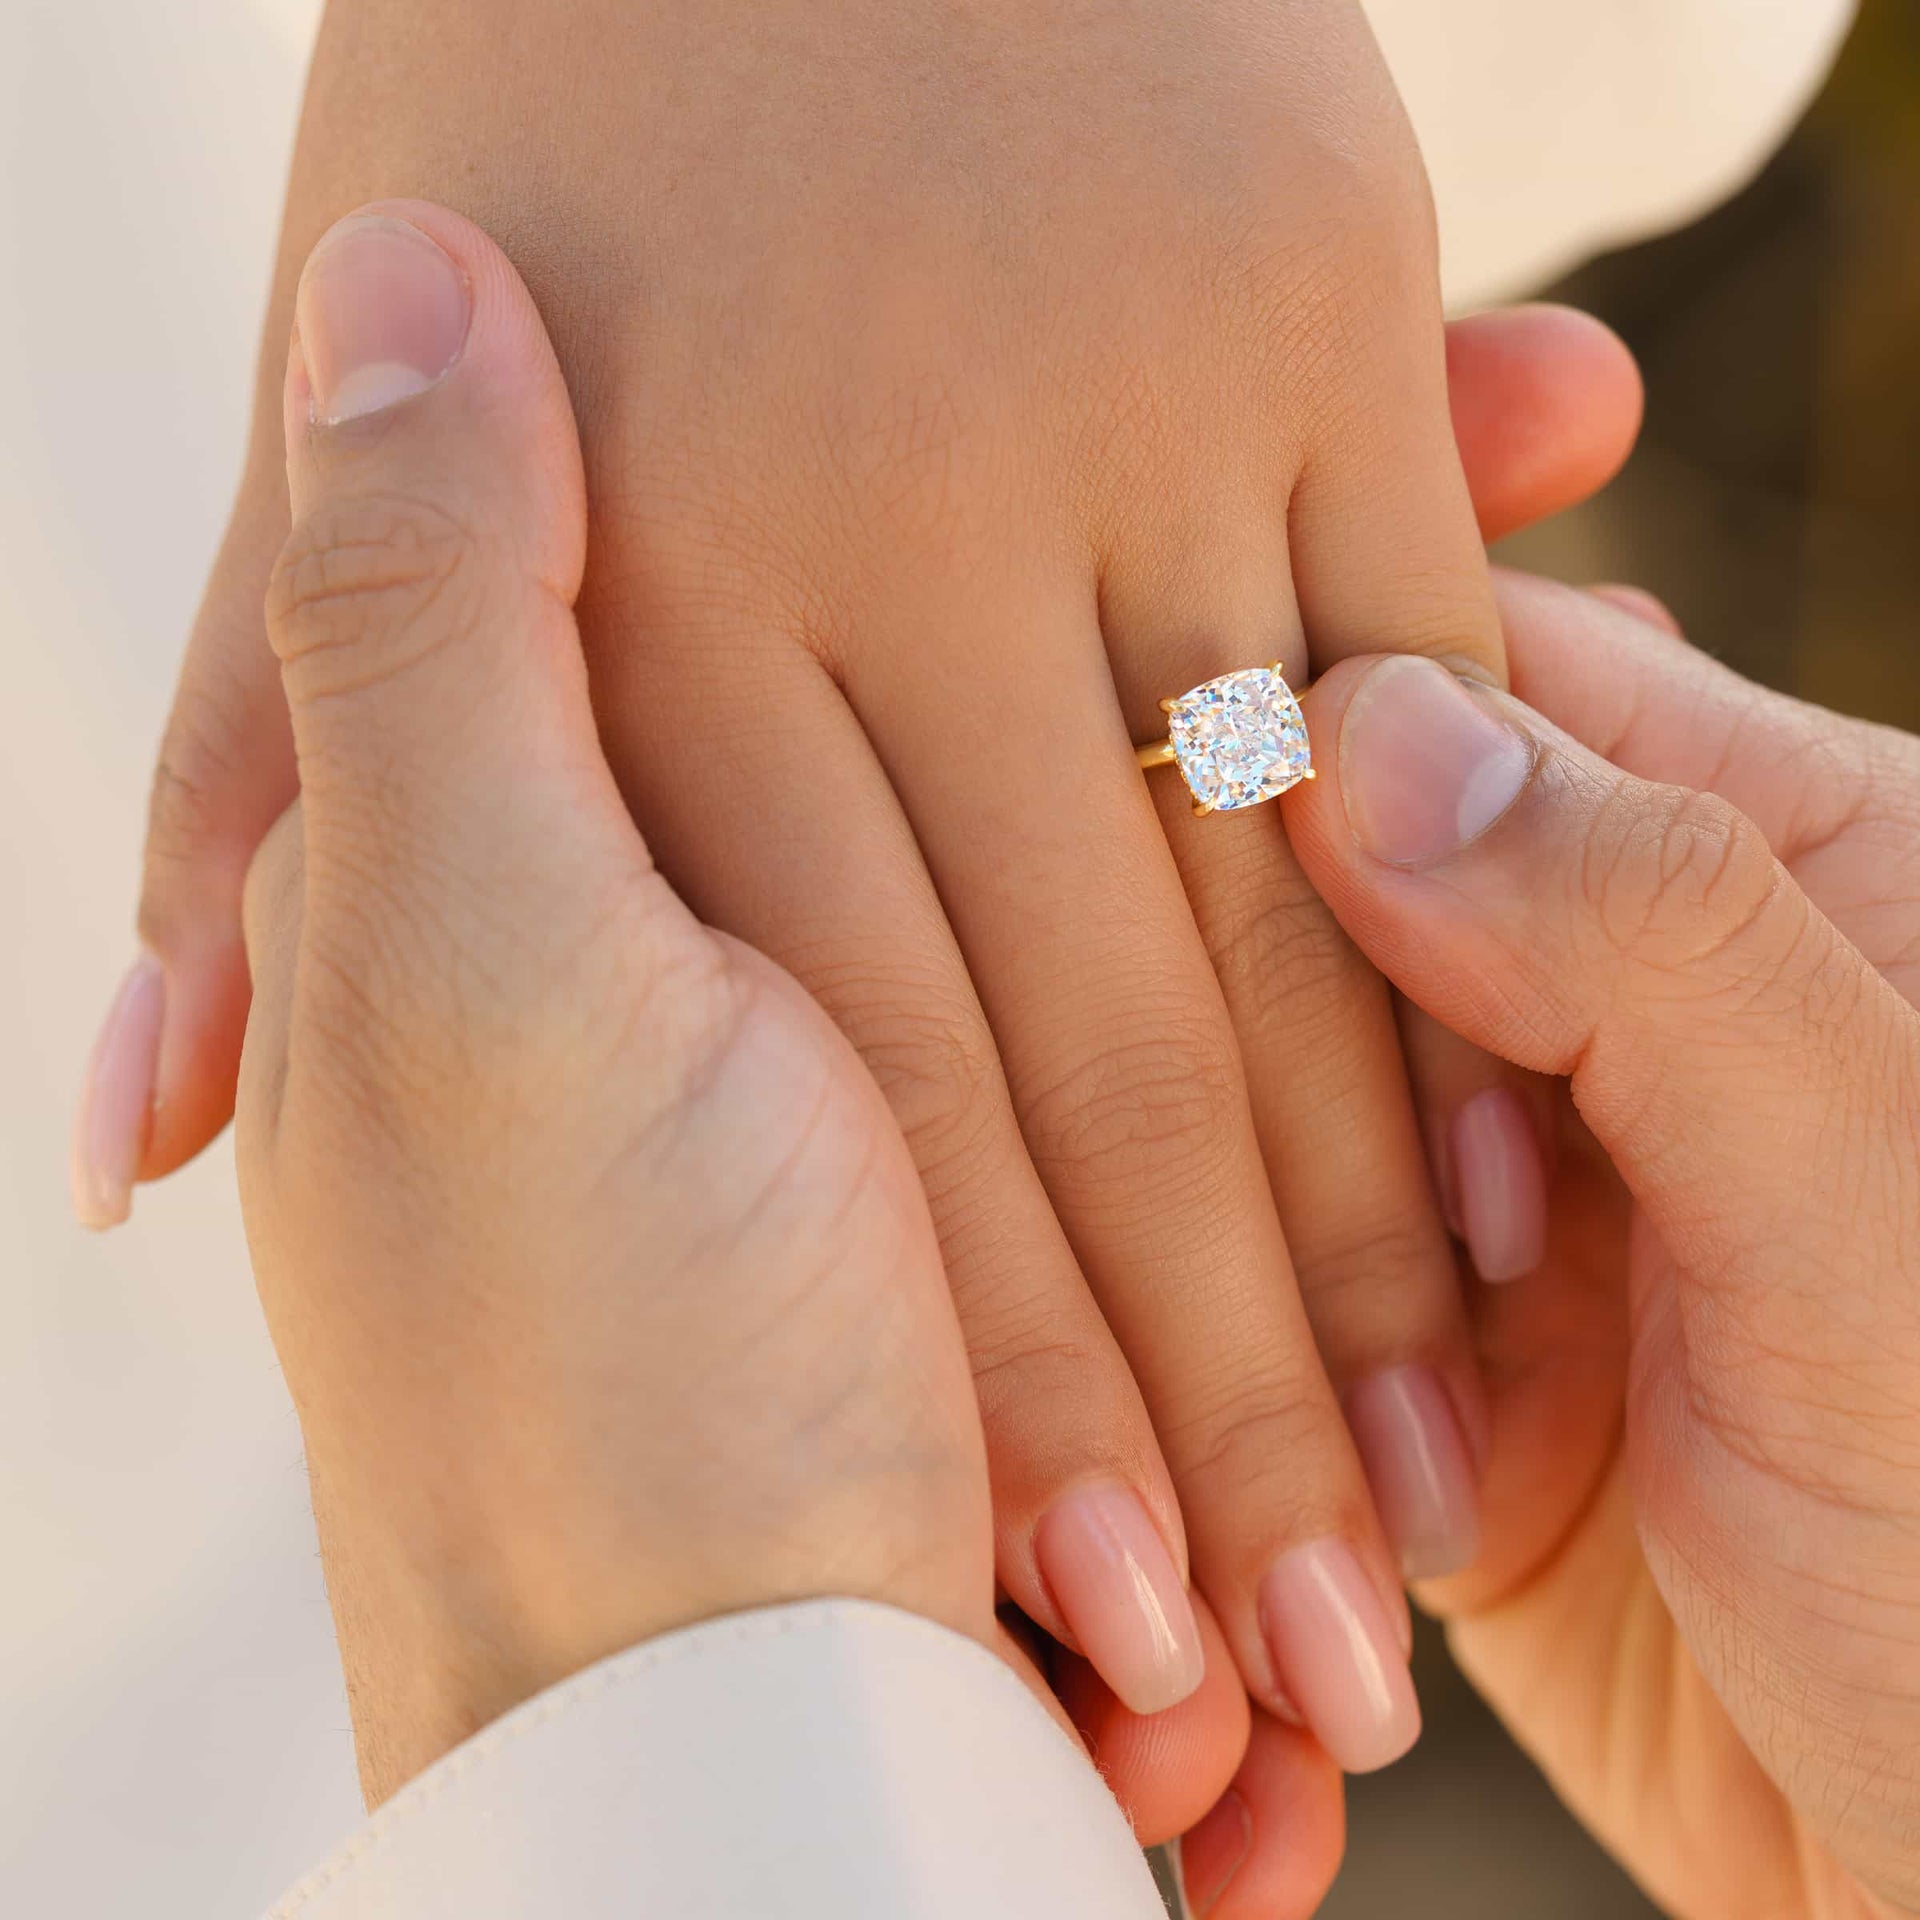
<point x="1240" y="739"/>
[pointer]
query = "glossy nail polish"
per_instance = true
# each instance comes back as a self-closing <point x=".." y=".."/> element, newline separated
<point x="1500" y="1178"/>
<point x="1335" y="1650"/>
<point x="116" y="1099"/>
<point x="1120" y="1593"/>
<point x="1419" y="1468"/>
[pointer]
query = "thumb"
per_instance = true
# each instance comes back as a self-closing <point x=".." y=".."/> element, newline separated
<point x="1743" y="1065"/>
<point x="421" y="610"/>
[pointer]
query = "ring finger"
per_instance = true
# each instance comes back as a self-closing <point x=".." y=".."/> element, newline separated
<point x="1124" y="1071"/>
<point x="1327" y="1084"/>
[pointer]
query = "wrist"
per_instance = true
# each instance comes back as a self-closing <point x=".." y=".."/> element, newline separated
<point x="449" y="1614"/>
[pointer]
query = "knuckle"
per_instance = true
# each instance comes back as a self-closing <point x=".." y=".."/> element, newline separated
<point x="919" y="457"/>
<point x="184" y="825"/>
<point x="474" y="1036"/>
<point x="1267" y="929"/>
<point x="200" y="752"/>
<point x="1678" y="882"/>
<point x="1375" y="1286"/>
<point x="1362" y="1259"/>
<point x="927" y="1047"/>
<point x="203" y="805"/>
<point x="1247" y="1438"/>
<point x="907" y="445"/>
<point x="1142" y="1108"/>
<point x="1056" y="1398"/>
<point x="1398" y="236"/>
<point x="1027" y="1359"/>
<point x="1318" y="292"/>
<point x="366" y="587"/>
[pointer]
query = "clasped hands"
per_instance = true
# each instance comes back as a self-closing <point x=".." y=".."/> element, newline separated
<point x="588" y="1212"/>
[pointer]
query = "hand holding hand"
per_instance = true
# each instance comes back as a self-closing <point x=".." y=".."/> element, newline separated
<point x="598" y="1268"/>
<point x="1700" y="1601"/>
<point x="956" y="382"/>
<point x="1542" y="404"/>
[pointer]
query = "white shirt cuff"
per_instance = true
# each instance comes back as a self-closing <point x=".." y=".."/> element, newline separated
<point x="833" y="1759"/>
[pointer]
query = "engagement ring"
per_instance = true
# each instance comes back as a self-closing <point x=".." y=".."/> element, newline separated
<point x="1237" y="740"/>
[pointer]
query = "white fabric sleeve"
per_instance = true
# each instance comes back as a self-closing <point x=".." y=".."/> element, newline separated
<point x="833" y="1760"/>
<point x="1555" y="128"/>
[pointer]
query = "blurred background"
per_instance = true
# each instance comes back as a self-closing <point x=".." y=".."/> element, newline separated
<point x="173" y="1740"/>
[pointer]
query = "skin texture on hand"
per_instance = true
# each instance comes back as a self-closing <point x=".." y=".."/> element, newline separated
<point x="955" y="382"/>
<point x="569" y="132"/>
<point x="598" y="1269"/>
<point x="1699" y="1603"/>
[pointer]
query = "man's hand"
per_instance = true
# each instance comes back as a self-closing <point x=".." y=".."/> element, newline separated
<point x="597" y="1266"/>
<point x="1700" y="1601"/>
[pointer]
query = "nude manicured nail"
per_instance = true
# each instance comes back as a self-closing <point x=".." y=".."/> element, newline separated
<point x="1213" y="1852"/>
<point x="1419" y="1468"/>
<point x="1501" y="1180"/>
<point x="116" y="1099"/>
<point x="1337" y="1654"/>
<point x="382" y="317"/>
<point x="1121" y="1595"/>
<point x="1425" y="765"/>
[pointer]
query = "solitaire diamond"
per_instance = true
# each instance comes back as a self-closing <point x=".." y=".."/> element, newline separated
<point x="1239" y="740"/>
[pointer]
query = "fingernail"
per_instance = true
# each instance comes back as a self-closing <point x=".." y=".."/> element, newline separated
<point x="116" y="1099"/>
<point x="382" y="316"/>
<point x="1643" y="606"/>
<point x="1419" y="1468"/>
<point x="1121" y="1595"/>
<point x="1425" y="766"/>
<point x="1336" y="1653"/>
<point x="1501" y="1178"/>
<point x="1213" y="1852"/>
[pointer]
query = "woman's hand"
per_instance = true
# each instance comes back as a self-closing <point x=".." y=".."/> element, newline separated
<point x="956" y="382"/>
<point x="1700" y="1600"/>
